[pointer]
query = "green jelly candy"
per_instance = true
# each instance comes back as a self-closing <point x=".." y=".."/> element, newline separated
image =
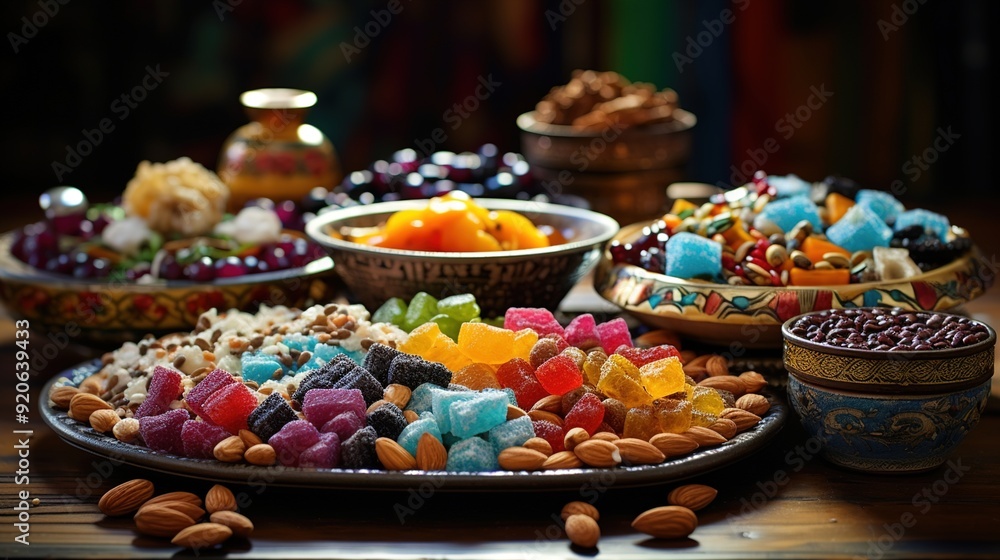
<point x="448" y="325"/>
<point x="392" y="311"/>
<point x="495" y="322"/>
<point x="422" y="307"/>
<point x="461" y="307"/>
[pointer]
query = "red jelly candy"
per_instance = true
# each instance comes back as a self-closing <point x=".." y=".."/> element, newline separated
<point x="614" y="333"/>
<point x="204" y="389"/>
<point x="518" y="376"/>
<point x="200" y="438"/>
<point x="551" y="433"/>
<point x="587" y="413"/>
<point x="230" y="406"/>
<point x="642" y="356"/>
<point x="537" y="319"/>
<point x="559" y="375"/>
<point x="582" y="332"/>
<point x="163" y="432"/>
<point x="164" y="388"/>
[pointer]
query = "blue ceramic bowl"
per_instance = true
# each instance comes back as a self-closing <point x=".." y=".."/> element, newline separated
<point x="887" y="412"/>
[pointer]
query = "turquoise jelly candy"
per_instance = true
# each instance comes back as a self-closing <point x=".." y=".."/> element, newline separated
<point x="449" y="439"/>
<point x="442" y="401"/>
<point x="422" y="307"/>
<point x="787" y="212"/>
<point x="789" y="185"/>
<point x="860" y="230"/>
<point x="511" y="433"/>
<point x="410" y="436"/>
<point x="260" y="367"/>
<point x="392" y="311"/>
<point x="882" y="203"/>
<point x="690" y="255"/>
<point x="472" y="455"/>
<point x="299" y="342"/>
<point x="420" y="398"/>
<point x="448" y="325"/>
<point x="478" y="415"/>
<point x="461" y="307"/>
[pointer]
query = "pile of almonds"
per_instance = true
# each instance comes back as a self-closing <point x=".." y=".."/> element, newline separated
<point x="178" y="515"/>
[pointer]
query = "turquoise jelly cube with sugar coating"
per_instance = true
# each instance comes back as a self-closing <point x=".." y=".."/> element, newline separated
<point x="479" y="414"/>
<point x="787" y="212"/>
<point x="442" y="402"/>
<point x="472" y="455"/>
<point x="261" y="367"/>
<point x="690" y="255"/>
<point x="860" y="230"/>
<point x="932" y="222"/>
<point x="789" y="185"/>
<point x="511" y="397"/>
<point x="882" y="203"/>
<point x="411" y="434"/>
<point x="511" y="433"/>
<point x="420" y="398"/>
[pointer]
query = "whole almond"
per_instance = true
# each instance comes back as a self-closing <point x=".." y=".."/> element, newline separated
<point x="104" y="420"/>
<point x="575" y="437"/>
<point x="62" y="395"/>
<point x="202" y="535"/>
<point x="176" y="496"/>
<point x="126" y="430"/>
<point x="729" y="383"/>
<point x="514" y="412"/>
<point x="540" y="445"/>
<point x="392" y="455"/>
<point x="692" y="496"/>
<point x="536" y="415"/>
<point x="606" y="436"/>
<point x="581" y="508"/>
<point x="704" y="437"/>
<point x="239" y="523"/>
<point x="753" y="403"/>
<point x="637" y="451"/>
<point x="521" y="459"/>
<point x="411" y="416"/>
<point x="724" y="427"/>
<point x="753" y="381"/>
<point x="582" y="530"/>
<point x="126" y="497"/>
<point x="716" y="366"/>
<point x="673" y="445"/>
<point x="431" y="454"/>
<point x="598" y="453"/>
<point x="187" y="508"/>
<point x="562" y="460"/>
<point x="160" y="521"/>
<point x="249" y="438"/>
<point x="219" y="498"/>
<point x="261" y="454"/>
<point x="82" y="405"/>
<point x="550" y="403"/>
<point x="744" y="419"/>
<point x="696" y="372"/>
<point x="666" y="522"/>
<point x="92" y="384"/>
<point x="230" y="450"/>
<point x="398" y="395"/>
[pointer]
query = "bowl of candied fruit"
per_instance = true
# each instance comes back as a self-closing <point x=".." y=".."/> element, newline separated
<point x="732" y="270"/>
<point x="508" y="253"/>
<point x="888" y="389"/>
<point x="155" y="260"/>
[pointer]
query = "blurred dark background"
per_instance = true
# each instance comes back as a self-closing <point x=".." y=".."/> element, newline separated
<point x="902" y="73"/>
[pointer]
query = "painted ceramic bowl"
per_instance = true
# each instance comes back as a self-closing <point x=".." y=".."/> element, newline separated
<point x="499" y="279"/>
<point x="887" y="412"/>
<point x="114" y="312"/>
<point x="751" y="316"/>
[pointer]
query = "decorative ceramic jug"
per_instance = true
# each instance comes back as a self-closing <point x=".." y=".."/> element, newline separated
<point x="277" y="155"/>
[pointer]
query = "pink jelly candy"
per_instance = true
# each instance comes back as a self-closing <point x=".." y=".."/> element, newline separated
<point x="551" y="433"/>
<point x="322" y="405"/>
<point x="324" y="454"/>
<point x="614" y="333"/>
<point x="230" y="406"/>
<point x="292" y="439"/>
<point x="559" y="375"/>
<point x="537" y="319"/>
<point x="642" y="356"/>
<point x="200" y="439"/>
<point x="164" y="388"/>
<point x="344" y="425"/>
<point x="204" y="389"/>
<point x="582" y="332"/>
<point x="587" y="413"/>
<point x="163" y="432"/>
<point x="518" y="376"/>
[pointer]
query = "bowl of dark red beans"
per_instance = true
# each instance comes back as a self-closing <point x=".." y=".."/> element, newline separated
<point x="888" y="390"/>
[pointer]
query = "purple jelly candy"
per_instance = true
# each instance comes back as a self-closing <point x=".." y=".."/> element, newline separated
<point x="200" y="439"/>
<point x="204" y="389"/>
<point x="344" y="425"/>
<point x="163" y="432"/>
<point x="537" y="319"/>
<point x="293" y="438"/>
<point x="325" y="454"/>
<point x="582" y="332"/>
<point x="322" y="405"/>
<point x="614" y="333"/>
<point x="164" y="388"/>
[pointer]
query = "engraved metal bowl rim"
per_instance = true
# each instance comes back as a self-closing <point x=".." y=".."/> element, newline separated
<point x="317" y="227"/>
<point x="842" y="391"/>
<point x="683" y="121"/>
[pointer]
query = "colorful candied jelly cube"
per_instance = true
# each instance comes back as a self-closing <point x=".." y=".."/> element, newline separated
<point x="707" y="400"/>
<point x="789" y="185"/>
<point x="933" y="223"/>
<point x="570" y="398"/>
<point x="392" y="311"/>
<point x="421" y="398"/>
<point x="614" y="414"/>
<point x="582" y="332"/>
<point x="786" y="213"/>
<point x="200" y="438"/>
<point x="292" y="439"/>
<point x="518" y="375"/>
<point x="592" y="366"/>
<point x="642" y="356"/>
<point x="578" y="356"/>
<point x="485" y="344"/>
<point x="449" y="326"/>
<point x="559" y="375"/>
<point x="270" y="416"/>
<point x="261" y="367"/>
<point x="422" y="307"/>
<point x="431" y="344"/>
<point x="358" y="451"/>
<point x="324" y="454"/>
<point x="662" y="377"/>
<point x="674" y="415"/>
<point x="617" y="364"/>
<point x="881" y="203"/>
<point x="478" y="415"/>
<point x="460" y="307"/>
<point x="378" y="359"/>
<point x="836" y="206"/>
<point x="324" y="354"/>
<point x="204" y="389"/>
<point x="511" y="397"/>
<point x="421" y="339"/>
<point x="388" y="421"/>
<point x="414" y="371"/>
<point x="410" y="436"/>
<point x="693" y="256"/>
<point x="641" y="422"/>
<point x="441" y="403"/>
<point x="586" y="413"/>
<point x="476" y="377"/>
<point x="322" y="405"/>
<point x="344" y="425"/>
<point x="623" y="388"/>
<point x="164" y="388"/>
<point x="552" y="433"/>
<point x="861" y="229"/>
<point x="544" y="349"/>
<point x="702" y="418"/>
<point x="229" y="407"/>
<point x="537" y="319"/>
<point x="524" y="341"/>
<point x="613" y="334"/>
<point x="511" y="433"/>
<point x="359" y="378"/>
<point x="815" y="248"/>
<point x="472" y="455"/>
<point x="325" y="377"/>
<point x="162" y="432"/>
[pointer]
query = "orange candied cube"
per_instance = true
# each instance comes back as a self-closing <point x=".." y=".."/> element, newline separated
<point x="836" y="206"/>
<point x="737" y="235"/>
<point x="680" y="205"/>
<point x="815" y="248"/>
<point x="828" y="277"/>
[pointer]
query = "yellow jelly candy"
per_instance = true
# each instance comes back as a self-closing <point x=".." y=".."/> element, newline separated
<point x="487" y="344"/>
<point x="662" y="377"/>
<point x="421" y="339"/>
<point x="524" y="341"/>
<point x="674" y="415"/>
<point x="621" y="366"/>
<point x="592" y="366"/>
<point x="703" y="419"/>
<point x="624" y="389"/>
<point x="641" y="422"/>
<point x="707" y="400"/>
<point x="445" y="351"/>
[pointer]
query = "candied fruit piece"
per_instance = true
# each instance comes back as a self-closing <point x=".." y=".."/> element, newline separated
<point x="162" y="432"/>
<point x="486" y="344"/>
<point x="270" y="416"/>
<point x="322" y="405"/>
<point x="164" y="388"/>
<point x="472" y="455"/>
<point x="478" y="415"/>
<point x="476" y="377"/>
<point x="410" y="436"/>
<point x="662" y="377"/>
<point x="674" y="415"/>
<point x="642" y="356"/>
<point x="460" y="307"/>
<point x="422" y="307"/>
<point x="360" y="379"/>
<point x="200" y="438"/>
<point x="414" y="371"/>
<point x="559" y="375"/>
<point x="582" y="332"/>
<point x="344" y="425"/>
<point x="537" y="319"/>
<point x="511" y="433"/>
<point x="614" y="414"/>
<point x="614" y="333"/>
<point x="706" y="399"/>
<point x="378" y="359"/>
<point x="518" y="375"/>
<point x="641" y="422"/>
<point x="543" y="350"/>
<point x="592" y="366"/>
<point x="392" y="311"/>
<point x="358" y="451"/>
<point x="324" y="454"/>
<point x="587" y="413"/>
<point x="204" y="389"/>
<point x="230" y="406"/>
<point x="388" y="421"/>
<point x="551" y="433"/>
<point x="292" y="439"/>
